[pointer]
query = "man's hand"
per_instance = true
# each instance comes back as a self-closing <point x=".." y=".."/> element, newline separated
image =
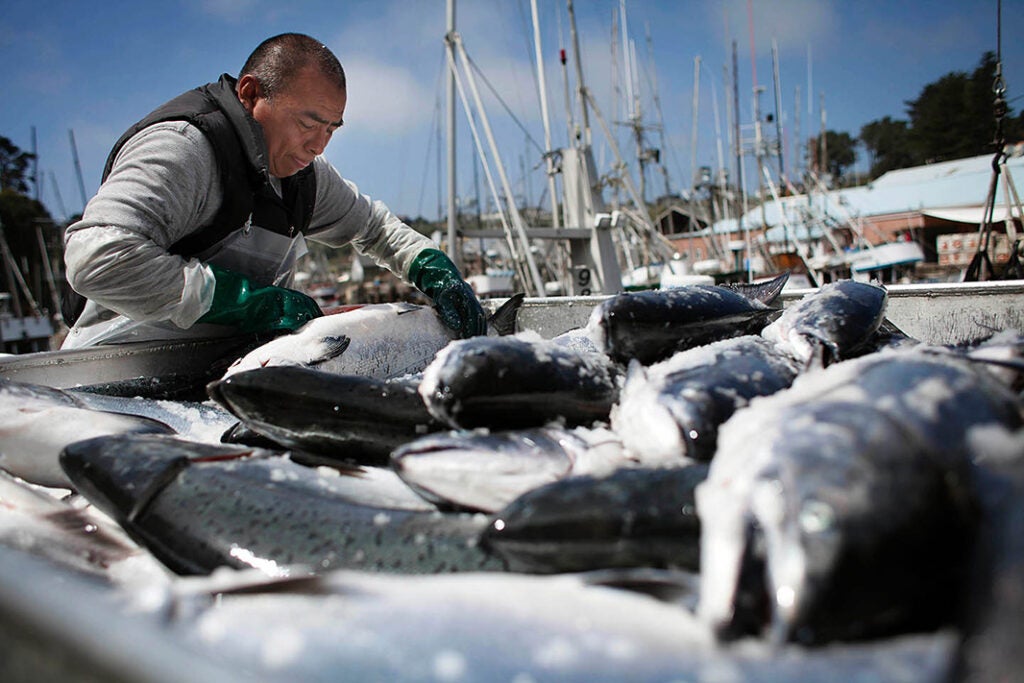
<point x="236" y="302"/>
<point x="435" y="275"/>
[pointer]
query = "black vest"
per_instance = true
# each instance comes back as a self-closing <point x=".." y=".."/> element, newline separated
<point x="240" y="150"/>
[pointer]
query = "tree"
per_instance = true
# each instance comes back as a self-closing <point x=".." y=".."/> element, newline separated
<point x="888" y="144"/>
<point x="840" y="152"/>
<point x="955" y="117"/>
<point x="13" y="164"/>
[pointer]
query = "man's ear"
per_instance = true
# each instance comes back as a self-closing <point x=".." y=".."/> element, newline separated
<point x="248" y="90"/>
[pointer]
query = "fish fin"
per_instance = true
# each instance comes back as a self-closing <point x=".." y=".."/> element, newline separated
<point x="242" y="434"/>
<point x="765" y="292"/>
<point x="333" y="347"/>
<point x="77" y="521"/>
<point x="503" y="322"/>
<point x="889" y="328"/>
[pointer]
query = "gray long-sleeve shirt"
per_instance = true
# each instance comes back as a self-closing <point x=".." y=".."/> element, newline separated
<point x="165" y="183"/>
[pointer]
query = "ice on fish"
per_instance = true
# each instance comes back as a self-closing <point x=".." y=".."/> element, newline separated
<point x="828" y="502"/>
<point x="518" y="381"/>
<point x="672" y="410"/>
<point x="650" y="326"/>
<point x="830" y="323"/>
<point x="485" y="470"/>
<point x="376" y="340"/>
<point x="37" y="422"/>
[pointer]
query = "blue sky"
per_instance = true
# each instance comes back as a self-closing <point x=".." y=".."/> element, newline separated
<point x="96" y="67"/>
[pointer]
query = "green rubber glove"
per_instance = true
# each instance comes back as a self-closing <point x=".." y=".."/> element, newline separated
<point x="238" y="303"/>
<point x="435" y="275"/>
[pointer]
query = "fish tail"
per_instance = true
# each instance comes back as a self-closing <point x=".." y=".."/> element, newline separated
<point x="503" y="322"/>
<point x="765" y="292"/>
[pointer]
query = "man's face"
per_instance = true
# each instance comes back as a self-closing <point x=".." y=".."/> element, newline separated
<point x="298" y="122"/>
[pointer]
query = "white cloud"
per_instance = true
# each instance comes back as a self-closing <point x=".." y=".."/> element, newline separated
<point x="791" y="23"/>
<point x="383" y="98"/>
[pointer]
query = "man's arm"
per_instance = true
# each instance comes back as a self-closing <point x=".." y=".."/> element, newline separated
<point x="343" y="214"/>
<point x="162" y="186"/>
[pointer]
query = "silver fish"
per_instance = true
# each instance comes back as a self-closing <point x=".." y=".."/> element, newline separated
<point x="202" y="506"/>
<point x="344" y="417"/>
<point x="650" y="326"/>
<point x="633" y="517"/>
<point x="483" y="470"/>
<point x="36" y="422"/>
<point x="518" y="381"/>
<point x="375" y="340"/>
<point x="35" y="521"/>
<point x="831" y="323"/>
<point x="672" y="410"/>
<point x="828" y="504"/>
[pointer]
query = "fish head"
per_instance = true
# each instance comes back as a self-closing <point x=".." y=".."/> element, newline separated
<point x="121" y="474"/>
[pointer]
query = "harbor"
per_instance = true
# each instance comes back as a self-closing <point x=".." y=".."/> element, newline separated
<point x="742" y="399"/>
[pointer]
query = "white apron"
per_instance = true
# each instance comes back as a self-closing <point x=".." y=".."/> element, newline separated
<point x="266" y="257"/>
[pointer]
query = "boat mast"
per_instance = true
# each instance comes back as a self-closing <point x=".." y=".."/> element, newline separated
<point x="449" y="41"/>
<point x="693" y="151"/>
<point x="60" y="200"/>
<point x="738" y="141"/>
<point x="78" y="167"/>
<point x="657" y="109"/>
<point x="693" y="130"/>
<point x="778" y="109"/>
<point x="797" y="147"/>
<point x="580" y="88"/>
<point x="542" y="86"/>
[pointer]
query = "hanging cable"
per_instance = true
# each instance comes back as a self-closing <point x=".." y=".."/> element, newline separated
<point x="498" y="97"/>
<point x="981" y="268"/>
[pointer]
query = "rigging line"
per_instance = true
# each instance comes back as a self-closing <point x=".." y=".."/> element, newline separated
<point x="494" y="92"/>
<point x="527" y="32"/>
<point x="434" y="124"/>
<point x="517" y="261"/>
<point x="513" y="210"/>
<point x="507" y="32"/>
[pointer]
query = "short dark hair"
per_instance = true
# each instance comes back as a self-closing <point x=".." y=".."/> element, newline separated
<point x="276" y="60"/>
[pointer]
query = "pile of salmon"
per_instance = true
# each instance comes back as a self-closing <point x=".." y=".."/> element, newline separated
<point x="696" y="485"/>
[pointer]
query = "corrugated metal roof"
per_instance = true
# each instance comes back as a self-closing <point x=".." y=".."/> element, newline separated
<point x="944" y="186"/>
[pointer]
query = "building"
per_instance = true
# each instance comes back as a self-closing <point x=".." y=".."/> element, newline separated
<point x="937" y="207"/>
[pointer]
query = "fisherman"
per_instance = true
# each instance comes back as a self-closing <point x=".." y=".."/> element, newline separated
<point x="206" y="204"/>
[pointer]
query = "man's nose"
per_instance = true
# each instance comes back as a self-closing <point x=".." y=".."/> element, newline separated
<point x="317" y="142"/>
